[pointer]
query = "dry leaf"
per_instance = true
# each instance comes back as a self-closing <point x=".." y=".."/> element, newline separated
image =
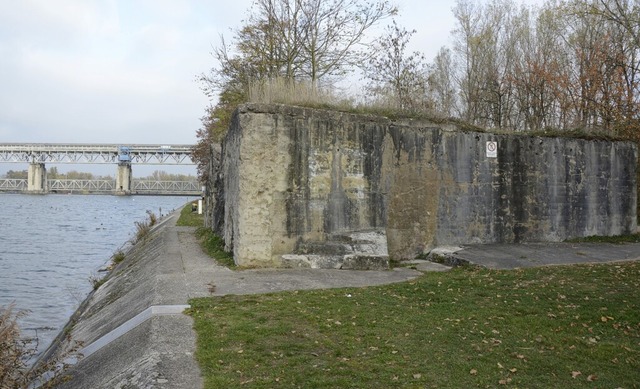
<point x="574" y="374"/>
<point x="513" y="370"/>
<point x="592" y="377"/>
<point x="417" y="376"/>
<point x="473" y="372"/>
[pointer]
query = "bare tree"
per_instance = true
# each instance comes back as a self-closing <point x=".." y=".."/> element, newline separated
<point x="441" y="84"/>
<point x="393" y="72"/>
<point x="332" y="30"/>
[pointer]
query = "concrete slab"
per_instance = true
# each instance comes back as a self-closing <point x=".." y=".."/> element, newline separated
<point x="428" y="266"/>
<point x="512" y="256"/>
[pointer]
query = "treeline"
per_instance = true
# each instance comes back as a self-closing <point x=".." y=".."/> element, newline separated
<point x="567" y="65"/>
<point x="571" y="64"/>
<point x="54" y="174"/>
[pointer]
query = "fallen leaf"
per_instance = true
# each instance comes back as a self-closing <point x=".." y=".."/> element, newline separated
<point x="592" y="377"/>
<point x="513" y="370"/>
<point x="500" y="365"/>
<point x="574" y="374"/>
<point x="417" y="376"/>
<point x="473" y="372"/>
<point x="504" y="381"/>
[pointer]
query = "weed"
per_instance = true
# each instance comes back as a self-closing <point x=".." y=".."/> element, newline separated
<point x="17" y="353"/>
<point x="96" y="281"/>
<point x="118" y="257"/>
<point x="153" y="219"/>
<point x="213" y="245"/>
<point x="143" y="228"/>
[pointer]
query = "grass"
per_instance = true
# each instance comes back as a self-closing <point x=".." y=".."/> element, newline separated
<point x="118" y="257"/>
<point x="562" y="327"/>
<point x="618" y="239"/>
<point x="213" y="245"/>
<point x="188" y="218"/>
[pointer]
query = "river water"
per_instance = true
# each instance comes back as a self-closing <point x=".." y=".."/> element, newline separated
<point x="52" y="245"/>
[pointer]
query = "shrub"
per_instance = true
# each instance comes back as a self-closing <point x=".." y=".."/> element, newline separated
<point x="17" y="354"/>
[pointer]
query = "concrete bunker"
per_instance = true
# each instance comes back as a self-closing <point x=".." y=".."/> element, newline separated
<point x="306" y="187"/>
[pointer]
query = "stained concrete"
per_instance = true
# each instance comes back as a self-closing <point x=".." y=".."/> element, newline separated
<point x="291" y="178"/>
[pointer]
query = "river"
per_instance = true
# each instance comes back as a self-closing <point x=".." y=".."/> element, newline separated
<point x="51" y="246"/>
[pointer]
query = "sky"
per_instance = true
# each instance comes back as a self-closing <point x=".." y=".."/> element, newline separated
<point x="125" y="71"/>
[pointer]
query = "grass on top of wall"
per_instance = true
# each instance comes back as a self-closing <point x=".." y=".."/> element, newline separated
<point x="552" y="327"/>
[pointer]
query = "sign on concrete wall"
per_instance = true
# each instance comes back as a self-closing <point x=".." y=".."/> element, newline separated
<point x="492" y="149"/>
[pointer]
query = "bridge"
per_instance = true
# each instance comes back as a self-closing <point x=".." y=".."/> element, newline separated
<point x="38" y="154"/>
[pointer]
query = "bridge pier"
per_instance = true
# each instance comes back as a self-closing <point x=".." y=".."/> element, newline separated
<point x="37" y="178"/>
<point x="123" y="178"/>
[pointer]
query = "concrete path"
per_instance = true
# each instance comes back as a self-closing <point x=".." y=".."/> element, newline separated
<point x="512" y="256"/>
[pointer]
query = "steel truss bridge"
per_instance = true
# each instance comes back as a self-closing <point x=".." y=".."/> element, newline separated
<point x="38" y="154"/>
<point x="88" y="153"/>
<point x="139" y="187"/>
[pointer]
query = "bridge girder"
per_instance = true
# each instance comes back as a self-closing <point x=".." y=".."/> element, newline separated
<point x="95" y="153"/>
<point x="149" y="187"/>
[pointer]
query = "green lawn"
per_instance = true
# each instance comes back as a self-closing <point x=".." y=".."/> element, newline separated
<point x="555" y="327"/>
<point x="190" y="218"/>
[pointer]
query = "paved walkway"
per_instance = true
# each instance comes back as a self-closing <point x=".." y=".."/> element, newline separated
<point x="511" y="256"/>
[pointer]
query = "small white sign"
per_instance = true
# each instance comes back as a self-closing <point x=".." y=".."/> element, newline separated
<point x="492" y="149"/>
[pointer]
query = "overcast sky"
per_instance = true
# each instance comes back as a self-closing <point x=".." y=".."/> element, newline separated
<point x="123" y="71"/>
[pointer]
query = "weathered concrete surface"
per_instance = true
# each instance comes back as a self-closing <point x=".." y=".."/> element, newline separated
<point x="513" y="256"/>
<point x="168" y="269"/>
<point x="294" y="178"/>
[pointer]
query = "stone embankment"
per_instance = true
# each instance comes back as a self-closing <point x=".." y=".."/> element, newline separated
<point x="133" y="329"/>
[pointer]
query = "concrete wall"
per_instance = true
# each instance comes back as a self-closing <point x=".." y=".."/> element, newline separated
<point x="304" y="181"/>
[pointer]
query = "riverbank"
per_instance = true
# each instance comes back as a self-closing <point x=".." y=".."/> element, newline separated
<point x="135" y="333"/>
<point x="132" y="327"/>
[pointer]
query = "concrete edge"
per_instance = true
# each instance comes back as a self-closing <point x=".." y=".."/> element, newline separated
<point x="154" y="310"/>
